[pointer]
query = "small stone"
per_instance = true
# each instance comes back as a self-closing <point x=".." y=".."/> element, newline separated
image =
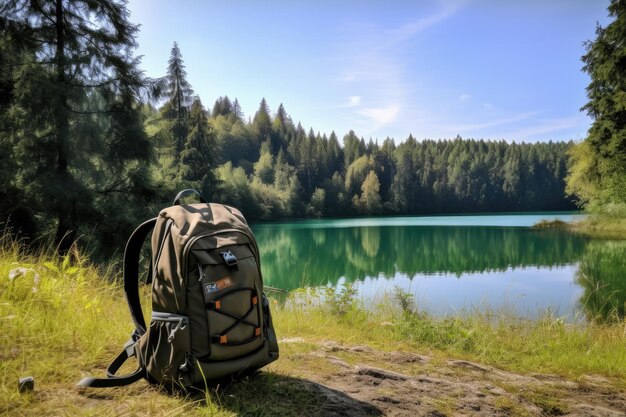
<point x="26" y="384"/>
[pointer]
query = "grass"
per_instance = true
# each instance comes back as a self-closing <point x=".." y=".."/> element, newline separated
<point x="594" y="225"/>
<point x="602" y="226"/>
<point x="60" y="322"/>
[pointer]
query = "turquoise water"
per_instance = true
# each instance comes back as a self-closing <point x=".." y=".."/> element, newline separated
<point x="451" y="264"/>
<point x="504" y="220"/>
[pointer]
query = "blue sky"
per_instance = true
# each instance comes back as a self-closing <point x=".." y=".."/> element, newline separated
<point x="479" y="68"/>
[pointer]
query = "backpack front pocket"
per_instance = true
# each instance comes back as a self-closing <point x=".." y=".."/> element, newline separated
<point x="228" y="277"/>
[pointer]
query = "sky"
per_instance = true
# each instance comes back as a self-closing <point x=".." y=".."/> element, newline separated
<point x="435" y="69"/>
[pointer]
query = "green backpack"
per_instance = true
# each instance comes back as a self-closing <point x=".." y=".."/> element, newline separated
<point x="210" y="316"/>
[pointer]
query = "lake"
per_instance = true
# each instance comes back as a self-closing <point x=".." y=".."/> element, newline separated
<point x="452" y="264"/>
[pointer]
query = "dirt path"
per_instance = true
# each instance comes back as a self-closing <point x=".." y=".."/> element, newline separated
<point x="360" y="381"/>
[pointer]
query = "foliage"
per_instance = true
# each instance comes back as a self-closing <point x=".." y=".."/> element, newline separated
<point x="601" y="276"/>
<point x="447" y="176"/>
<point x="79" y="154"/>
<point x="197" y="160"/>
<point x="341" y="300"/>
<point x="179" y="98"/>
<point x="597" y="174"/>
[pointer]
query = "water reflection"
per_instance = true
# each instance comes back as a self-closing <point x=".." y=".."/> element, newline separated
<point x="602" y="274"/>
<point x="294" y="258"/>
<point x="452" y="268"/>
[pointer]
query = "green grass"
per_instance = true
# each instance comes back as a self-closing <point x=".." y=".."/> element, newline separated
<point x="602" y="226"/>
<point x="74" y="320"/>
<point x="548" y="345"/>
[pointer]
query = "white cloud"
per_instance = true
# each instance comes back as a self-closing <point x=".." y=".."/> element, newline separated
<point x="375" y="61"/>
<point x="546" y="126"/>
<point x="412" y="28"/>
<point x="354" y="101"/>
<point x="381" y="116"/>
<point x="464" y="97"/>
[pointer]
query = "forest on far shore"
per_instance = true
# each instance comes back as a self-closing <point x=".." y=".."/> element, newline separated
<point x="272" y="168"/>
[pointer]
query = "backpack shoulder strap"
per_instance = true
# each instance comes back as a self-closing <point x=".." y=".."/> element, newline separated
<point x="131" y="289"/>
<point x="131" y="274"/>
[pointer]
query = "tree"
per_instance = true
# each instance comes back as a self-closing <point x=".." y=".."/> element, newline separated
<point x="262" y="122"/>
<point x="369" y="202"/>
<point x="79" y="143"/>
<point x="222" y="107"/>
<point x="353" y="148"/>
<point x="597" y="174"/>
<point x="197" y="160"/>
<point x="318" y="200"/>
<point x="264" y="167"/>
<point x="179" y="97"/>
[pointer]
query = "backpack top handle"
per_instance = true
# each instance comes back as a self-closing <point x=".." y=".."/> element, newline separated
<point x="183" y="193"/>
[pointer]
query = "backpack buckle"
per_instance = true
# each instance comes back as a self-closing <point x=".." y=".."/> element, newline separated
<point x="187" y="365"/>
<point x="229" y="258"/>
<point x="129" y="348"/>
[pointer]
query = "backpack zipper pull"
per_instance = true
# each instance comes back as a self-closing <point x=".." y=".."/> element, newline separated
<point x="200" y="273"/>
<point x="182" y="323"/>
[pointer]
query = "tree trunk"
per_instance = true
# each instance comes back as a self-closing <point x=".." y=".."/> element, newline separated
<point x="65" y="233"/>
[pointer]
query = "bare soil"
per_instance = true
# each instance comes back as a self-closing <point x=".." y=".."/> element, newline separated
<point x="360" y="381"/>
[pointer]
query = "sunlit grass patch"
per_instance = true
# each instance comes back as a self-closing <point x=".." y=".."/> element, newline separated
<point x="548" y="344"/>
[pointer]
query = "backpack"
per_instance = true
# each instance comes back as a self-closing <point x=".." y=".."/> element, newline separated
<point x="210" y="316"/>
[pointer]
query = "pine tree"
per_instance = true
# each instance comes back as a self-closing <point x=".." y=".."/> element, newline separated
<point x="179" y="97"/>
<point x="197" y="160"/>
<point x="237" y="112"/>
<point x="598" y="171"/>
<point x="262" y="122"/>
<point x="222" y="107"/>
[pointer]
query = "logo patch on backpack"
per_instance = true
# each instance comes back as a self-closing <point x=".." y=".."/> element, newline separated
<point x="216" y="286"/>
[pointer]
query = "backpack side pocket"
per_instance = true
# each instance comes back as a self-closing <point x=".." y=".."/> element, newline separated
<point x="165" y="348"/>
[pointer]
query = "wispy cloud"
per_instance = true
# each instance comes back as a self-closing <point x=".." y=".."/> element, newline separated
<point x="375" y="60"/>
<point x="381" y="116"/>
<point x="527" y="126"/>
<point x="417" y="26"/>
<point x="543" y="127"/>
<point x="491" y="123"/>
<point x="464" y="97"/>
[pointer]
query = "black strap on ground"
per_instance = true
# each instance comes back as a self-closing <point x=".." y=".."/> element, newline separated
<point x="131" y="273"/>
<point x="112" y="380"/>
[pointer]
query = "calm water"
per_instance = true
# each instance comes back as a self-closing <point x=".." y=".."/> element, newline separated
<point x="452" y="264"/>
